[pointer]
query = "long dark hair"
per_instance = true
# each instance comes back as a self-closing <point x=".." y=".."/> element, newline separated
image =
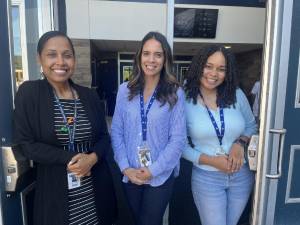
<point x="226" y="91"/>
<point x="168" y="85"/>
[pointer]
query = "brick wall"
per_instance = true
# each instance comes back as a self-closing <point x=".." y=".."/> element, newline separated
<point x="82" y="75"/>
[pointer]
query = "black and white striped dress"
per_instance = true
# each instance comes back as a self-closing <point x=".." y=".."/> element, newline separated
<point x="82" y="208"/>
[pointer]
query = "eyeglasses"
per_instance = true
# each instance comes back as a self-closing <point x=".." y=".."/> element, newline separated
<point x="211" y="68"/>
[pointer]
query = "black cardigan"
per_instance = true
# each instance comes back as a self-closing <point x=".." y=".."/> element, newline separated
<point x="35" y="138"/>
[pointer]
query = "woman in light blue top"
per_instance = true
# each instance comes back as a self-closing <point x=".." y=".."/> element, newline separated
<point x="219" y="123"/>
<point x="149" y="130"/>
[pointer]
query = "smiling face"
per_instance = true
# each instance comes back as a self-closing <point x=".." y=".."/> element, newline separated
<point x="57" y="60"/>
<point x="214" y="71"/>
<point x="152" y="58"/>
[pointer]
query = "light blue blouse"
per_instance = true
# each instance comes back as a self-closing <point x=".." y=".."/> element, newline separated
<point x="166" y="135"/>
<point x="238" y="121"/>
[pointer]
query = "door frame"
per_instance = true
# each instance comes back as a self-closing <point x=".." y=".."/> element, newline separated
<point x="273" y="92"/>
<point x="10" y="204"/>
<point x="6" y="90"/>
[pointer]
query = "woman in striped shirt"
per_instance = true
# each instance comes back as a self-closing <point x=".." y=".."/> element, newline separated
<point x="61" y="127"/>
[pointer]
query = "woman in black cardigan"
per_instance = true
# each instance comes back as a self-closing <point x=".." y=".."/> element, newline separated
<point x="61" y="127"/>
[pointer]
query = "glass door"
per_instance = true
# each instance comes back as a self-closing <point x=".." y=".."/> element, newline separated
<point x="277" y="194"/>
<point x="29" y="20"/>
<point x="21" y="24"/>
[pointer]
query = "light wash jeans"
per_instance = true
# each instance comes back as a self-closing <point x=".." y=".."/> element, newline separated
<point x="221" y="198"/>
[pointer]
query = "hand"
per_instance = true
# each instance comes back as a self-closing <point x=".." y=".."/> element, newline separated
<point x="221" y="163"/>
<point x="144" y="174"/>
<point x="236" y="157"/>
<point x="131" y="173"/>
<point x="81" y="164"/>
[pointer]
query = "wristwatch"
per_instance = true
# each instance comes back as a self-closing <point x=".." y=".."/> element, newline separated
<point x="241" y="142"/>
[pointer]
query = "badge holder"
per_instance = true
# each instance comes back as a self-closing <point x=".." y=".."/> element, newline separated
<point x="220" y="151"/>
<point x="73" y="181"/>
<point x="144" y="155"/>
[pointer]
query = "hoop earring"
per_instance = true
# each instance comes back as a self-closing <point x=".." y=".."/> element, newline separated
<point x="42" y="72"/>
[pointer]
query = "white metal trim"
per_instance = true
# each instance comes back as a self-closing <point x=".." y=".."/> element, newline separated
<point x="52" y="19"/>
<point x="262" y="212"/>
<point x="126" y="60"/>
<point x="21" y="5"/>
<point x="170" y="22"/>
<point x="284" y="34"/>
<point x="16" y="2"/>
<point x="23" y="41"/>
<point x="288" y="199"/>
<point x="45" y="16"/>
<point x="182" y="61"/>
<point x="259" y="192"/>
<point x="297" y="99"/>
<point x="119" y="67"/>
<point x="11" y="50"/>
<point x="127" y="53"/>
<point x="198" y="6"/>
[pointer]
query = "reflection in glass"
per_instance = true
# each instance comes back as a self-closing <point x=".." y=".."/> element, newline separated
<point x="15" y="12"/>
<point x="127" y="71"/>
<point x="180" y="70"/>
<point x="195" y="23"/>
<point x="183" y="72"/>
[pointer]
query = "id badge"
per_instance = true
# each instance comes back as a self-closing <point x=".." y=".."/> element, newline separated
<point x="73" y="181"/>
<point x="220" y="151"/>
<point x="144" y="155"/>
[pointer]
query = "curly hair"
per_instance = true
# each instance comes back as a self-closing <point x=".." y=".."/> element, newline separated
<point x="226" y="92"/>
<point x="167" y="85"/>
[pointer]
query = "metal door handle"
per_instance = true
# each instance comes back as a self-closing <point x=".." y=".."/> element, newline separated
<point x="281" y="133"/>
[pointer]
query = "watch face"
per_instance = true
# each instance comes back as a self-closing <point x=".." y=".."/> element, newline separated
<point x="244" y="143"/>
<point x="241" y="142"/>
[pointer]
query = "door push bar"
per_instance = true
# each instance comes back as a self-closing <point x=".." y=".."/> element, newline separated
<point x="13" y="169"/>
<point x="281" y="133"/>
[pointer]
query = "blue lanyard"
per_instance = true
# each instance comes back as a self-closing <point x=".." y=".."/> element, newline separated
<point x="220" y="134"/>
<point x="67" y="127"/>
<point x="143" y="114"/>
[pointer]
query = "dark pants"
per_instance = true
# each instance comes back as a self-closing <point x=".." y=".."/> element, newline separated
<point x="148" y="203"/>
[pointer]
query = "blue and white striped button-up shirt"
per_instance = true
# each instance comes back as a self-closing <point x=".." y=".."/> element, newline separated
<point x="166" y="135"/>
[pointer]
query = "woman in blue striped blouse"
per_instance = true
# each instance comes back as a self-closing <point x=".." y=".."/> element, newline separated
<point x="148" y="130"/>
